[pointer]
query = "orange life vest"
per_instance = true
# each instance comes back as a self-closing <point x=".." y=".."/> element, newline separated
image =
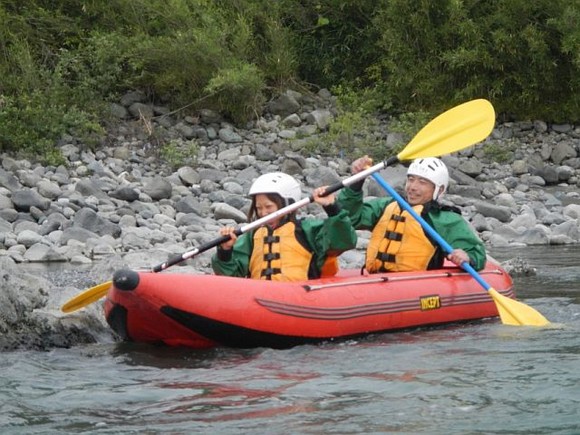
<point x="272" y="260"/>
<point x="398" y="243"/>
<point x="288" y="261"/>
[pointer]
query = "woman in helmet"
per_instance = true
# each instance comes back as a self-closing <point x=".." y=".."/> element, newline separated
<point x="287" y="248"/>
<point x="398" y="242"/>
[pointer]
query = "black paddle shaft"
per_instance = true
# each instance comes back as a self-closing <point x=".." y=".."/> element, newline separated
<point x="283" y="211"/>
<point x="357" y="177"/>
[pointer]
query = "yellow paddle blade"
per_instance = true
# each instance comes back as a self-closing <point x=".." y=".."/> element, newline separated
<point x="453" y="130"/>
<point x="512" y="312"/>
<point x="87" y="297"/>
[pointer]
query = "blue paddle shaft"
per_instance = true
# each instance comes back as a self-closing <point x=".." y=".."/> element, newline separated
<point x="446" y="246"/>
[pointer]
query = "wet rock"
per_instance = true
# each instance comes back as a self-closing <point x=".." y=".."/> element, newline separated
<point x="518" y="267"/>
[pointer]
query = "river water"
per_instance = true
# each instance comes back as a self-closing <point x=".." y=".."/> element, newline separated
<point x="480" y="378"/>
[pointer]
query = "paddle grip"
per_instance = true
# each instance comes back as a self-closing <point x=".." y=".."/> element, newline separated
<point x="357" y="177"/>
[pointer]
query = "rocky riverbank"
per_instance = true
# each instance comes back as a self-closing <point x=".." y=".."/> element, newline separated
<point x="122" y="205"/>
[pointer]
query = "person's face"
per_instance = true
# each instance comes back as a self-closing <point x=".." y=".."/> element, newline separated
<point x="419" y="190"/>
<point x="265" y="206"/>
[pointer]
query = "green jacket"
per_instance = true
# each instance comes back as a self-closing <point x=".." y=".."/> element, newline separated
<point x="332" y="235"/>
<point x="449" y="224"/>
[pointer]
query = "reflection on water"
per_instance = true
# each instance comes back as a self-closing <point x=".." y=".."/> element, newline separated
<point x="162" y="357"/>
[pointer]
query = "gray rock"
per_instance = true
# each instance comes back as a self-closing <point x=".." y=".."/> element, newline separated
<point x="29" y="179"/>
<point x="321" y="118"/>
<point x="41" y="253"/>
<point x="28" y="238"/>
<point x="229" y="155"/>
<point x="188" y="175"/>
<point x="213" y="175"/>
<point x="562" y="128"/>
<point x="208" y="116"/>
<point x="503" y="214"/>
<point x="24" y="199"/>
<point x="157" y="188"/>
<point x="225" y="211"/>
<point x="572" y="211"/>
<point x="9" y="181"/>
<point x="321" y="176"/>
<point x="189" y="204"/>
<point x="518" y="267"/>
<point x="125" y="193"/>
<point x="141" y="111"/>
<point x="519" y="167"/>
<point x="76" y="233"/>
<point x="284" y="105"/>
<point x="229" y="136"/>
<point x="526" y="221"/>
<point x="265" y="153"/>
<point x="562" y="151"/>
<point x="49" y="189"/>
<point x="89" y="188"/>
<point x="292" y="120"/>
<point x="89" y="220"/>
<point x="549" y="174"/>
<point x="471" y="167"/>
<point x="505" y="200"/>
<point x="539" y="235"/>
<point x="118" y="111"/>
<point x="568" y="228"/>
<point x="5" y="226"/>
<point x="188" y="219"/>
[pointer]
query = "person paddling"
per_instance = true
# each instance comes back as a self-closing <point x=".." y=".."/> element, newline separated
<point x="286" y="248"/>
<point x="398" y="242"/>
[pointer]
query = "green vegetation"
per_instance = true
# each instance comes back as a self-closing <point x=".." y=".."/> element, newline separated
<point x="500" y="153"/>
<point x="63" y="62"/>
<point x="349" y="135"/>
<point x="352" y="132"/>
<point x="178" y="153"/>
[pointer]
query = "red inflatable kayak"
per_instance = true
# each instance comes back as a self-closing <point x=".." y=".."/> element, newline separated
<point x="202" y="311"/>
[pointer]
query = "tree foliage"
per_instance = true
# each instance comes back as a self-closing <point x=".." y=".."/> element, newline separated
<point x="74" y="57"/>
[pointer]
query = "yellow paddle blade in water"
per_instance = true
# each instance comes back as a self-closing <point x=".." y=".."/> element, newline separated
<point x="512" y="312"/>
<point x="453" y="130"/>
<point x="87" y="297"/>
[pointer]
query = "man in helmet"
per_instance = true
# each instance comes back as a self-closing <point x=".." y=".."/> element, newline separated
<point x="286" y="248"/>
<point x="398" y="242"/>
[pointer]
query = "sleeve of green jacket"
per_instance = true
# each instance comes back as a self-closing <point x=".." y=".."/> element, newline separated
<point x="239" y="261"/>
<point x="456" y="231"/>
<point x="363" y="214"/>
<point x="330" y="236"/>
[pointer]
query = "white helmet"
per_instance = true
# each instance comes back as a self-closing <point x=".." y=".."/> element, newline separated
<point x="277" y="182"/>
<point x="433" y="170"/>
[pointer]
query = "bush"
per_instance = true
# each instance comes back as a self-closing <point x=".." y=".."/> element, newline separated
<point x="179" y="153"/>
<point x="518" y="54"/>
<point x="70" y="57"/>
<point x="238" y="92"/>
<point x="32" y="124"/>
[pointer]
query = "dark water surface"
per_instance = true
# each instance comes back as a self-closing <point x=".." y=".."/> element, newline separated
<point x="480" y="378"/>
